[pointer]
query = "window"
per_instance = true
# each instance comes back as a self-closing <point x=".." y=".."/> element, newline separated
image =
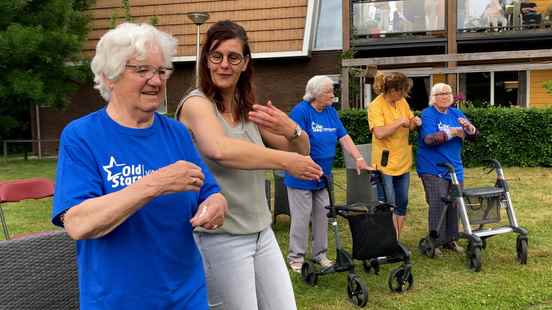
<point x="328" y="28"/>
<point x="502" y="89"/>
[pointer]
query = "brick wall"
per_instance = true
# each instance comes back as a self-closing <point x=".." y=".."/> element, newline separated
<point x="280" y="80"/>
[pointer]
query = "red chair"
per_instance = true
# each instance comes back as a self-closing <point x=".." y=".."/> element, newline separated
<point x="18" y="190"/>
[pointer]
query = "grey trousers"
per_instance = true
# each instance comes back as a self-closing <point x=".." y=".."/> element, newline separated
<point x="245" y="271"/>
<point x="308" y="206"/>
<point x="436" y="189"/>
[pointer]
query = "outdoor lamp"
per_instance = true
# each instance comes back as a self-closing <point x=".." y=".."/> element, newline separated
<point x="198" y="18"/>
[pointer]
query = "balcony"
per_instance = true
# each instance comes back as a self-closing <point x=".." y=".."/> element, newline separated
<point x="382" y="24"/>
<point x="398" y="22"/>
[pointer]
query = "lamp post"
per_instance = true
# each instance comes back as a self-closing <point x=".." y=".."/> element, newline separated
<point x="198" y="18"/>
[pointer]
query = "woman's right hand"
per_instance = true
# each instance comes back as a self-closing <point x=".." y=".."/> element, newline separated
<point x="180" y="176"/>
<point x="303" y="167"/>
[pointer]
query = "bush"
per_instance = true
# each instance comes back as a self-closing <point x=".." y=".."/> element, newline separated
<point x="514" y="136"/>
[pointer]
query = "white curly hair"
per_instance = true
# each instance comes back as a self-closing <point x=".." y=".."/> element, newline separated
<point x="126" y="41"/>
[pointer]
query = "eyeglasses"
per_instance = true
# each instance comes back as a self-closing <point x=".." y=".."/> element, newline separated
<point x="148" y="71"/>
<point x="233" y="58"/>
<point x="442" y="94"/>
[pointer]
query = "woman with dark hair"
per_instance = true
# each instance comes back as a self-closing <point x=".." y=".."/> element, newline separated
<point x="244" y="265"/>
<point x="390" y="120"/>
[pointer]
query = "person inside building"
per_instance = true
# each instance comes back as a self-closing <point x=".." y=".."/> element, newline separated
<point x="308" y="198"/>
<point x="244" y="265"/>
<point x="440" y="139"/>
<point x="391" y="120"/>
<point x="131" y="187"/>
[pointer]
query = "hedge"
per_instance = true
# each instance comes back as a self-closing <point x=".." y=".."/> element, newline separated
<point x="514" y="136"/>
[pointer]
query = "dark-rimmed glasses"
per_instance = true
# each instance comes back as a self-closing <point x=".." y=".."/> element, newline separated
<point x="148" y="71"/>
<point x="233" y="58"/>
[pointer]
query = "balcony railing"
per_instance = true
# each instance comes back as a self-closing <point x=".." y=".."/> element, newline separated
<point x="504" y="16"/>
<point x="381" y="19"/>
<point x="416" y="19"/>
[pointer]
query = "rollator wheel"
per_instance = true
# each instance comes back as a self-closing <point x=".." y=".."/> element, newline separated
<point x="399" y="281"/>
<point x="521" y="249"/>
<point x="367" y="266"/>
<point x="483" y="243"/>
<point x="308" y="274"/>
<point x="426" y="248"/>
<point x="371" y="264"/>
<point x="357" y="290"/>
<point x="474" y="256"/>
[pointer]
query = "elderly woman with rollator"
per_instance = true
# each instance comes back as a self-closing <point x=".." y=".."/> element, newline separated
<point x="244" y="265"/>
<point x="131" y="187"/>
<point x="308" y="198"/>
<point x="442" y="133"/>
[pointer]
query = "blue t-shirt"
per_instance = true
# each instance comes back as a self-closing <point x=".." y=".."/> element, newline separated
<point x="150" y="261"/>
<point x="324" y="130"/>
<point x="428" y="156"/>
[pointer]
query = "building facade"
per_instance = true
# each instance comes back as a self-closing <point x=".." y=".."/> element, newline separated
<point x="492" y="52"/>
<point x="291" y="41"/>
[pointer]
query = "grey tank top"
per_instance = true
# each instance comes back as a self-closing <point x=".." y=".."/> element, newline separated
<point x="244" y="190"/>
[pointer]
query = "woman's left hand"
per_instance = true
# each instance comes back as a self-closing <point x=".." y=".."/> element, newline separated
<point x="415" y="122"/>
<point x="210" y="214"/>
<point x="272" y="119"/>
<point x="468" y="127"/>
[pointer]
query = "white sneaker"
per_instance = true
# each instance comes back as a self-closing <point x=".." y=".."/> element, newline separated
<point x="296" y="266"/>
<point x="324" y="262"/>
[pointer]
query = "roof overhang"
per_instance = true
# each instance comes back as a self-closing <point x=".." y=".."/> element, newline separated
<point x="308" y="38"/>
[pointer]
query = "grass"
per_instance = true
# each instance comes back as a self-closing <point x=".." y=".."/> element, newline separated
<point x="442" y="283"/>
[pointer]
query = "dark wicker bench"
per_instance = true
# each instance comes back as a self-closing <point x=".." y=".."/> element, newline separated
<point x="39" y="272"/>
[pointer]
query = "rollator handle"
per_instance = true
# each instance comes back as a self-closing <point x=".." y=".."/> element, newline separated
<point x="326" y="180"/>
<point x="493" y="165"/>
<point x="448" y="166"/>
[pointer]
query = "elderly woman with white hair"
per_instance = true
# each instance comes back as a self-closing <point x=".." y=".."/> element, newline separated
<point x="308" y="199"/>
<point x="132" y="203"/>
<point x="442" y="133"/>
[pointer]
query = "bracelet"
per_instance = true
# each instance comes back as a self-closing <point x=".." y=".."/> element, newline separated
<point x="360" y="158"/>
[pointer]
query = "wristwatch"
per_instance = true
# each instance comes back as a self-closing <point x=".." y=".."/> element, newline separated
<point x="296" y="134"/>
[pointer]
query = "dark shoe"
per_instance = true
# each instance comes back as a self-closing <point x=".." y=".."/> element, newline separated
<point x="453" y="246"/>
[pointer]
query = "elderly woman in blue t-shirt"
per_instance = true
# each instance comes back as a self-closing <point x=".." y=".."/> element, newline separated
<point x="308" y="199"/>
<point x="443" y="130"/>
<point x="131" y="187"/>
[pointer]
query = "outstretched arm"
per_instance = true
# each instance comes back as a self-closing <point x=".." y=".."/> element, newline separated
<point x="198" y="115"/>
<point x="96" y="217"/>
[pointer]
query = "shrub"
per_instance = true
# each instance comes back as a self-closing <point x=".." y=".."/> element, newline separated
<point x="514" y="136"/>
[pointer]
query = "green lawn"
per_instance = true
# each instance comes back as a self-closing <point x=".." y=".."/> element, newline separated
<point x="442" y="283"/>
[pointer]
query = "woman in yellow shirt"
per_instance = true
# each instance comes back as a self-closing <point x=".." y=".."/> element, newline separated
<point x="390" y="120"/>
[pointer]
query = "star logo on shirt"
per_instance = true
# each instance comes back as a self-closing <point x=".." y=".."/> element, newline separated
<point x="113" y="165"/>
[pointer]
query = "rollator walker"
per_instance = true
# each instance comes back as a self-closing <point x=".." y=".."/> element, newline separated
<point x="374" y="242"/>
<point x="478" y="207"/>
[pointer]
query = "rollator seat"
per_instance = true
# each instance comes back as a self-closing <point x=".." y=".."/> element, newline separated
<point x="484" y="192"/>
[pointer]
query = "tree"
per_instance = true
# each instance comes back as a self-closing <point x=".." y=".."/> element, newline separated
<point x="40" y="57"/>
